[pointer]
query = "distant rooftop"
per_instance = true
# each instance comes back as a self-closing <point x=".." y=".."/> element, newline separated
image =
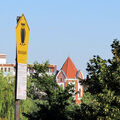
<point x="69" y="68"/>
<point x="2" y="58"/>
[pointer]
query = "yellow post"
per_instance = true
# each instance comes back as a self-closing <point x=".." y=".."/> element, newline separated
<point x="22" y="40"/>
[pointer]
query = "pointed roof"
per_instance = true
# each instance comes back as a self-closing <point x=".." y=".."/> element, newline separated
<point x="20" y="18"/>
<point x="69" y="68"/>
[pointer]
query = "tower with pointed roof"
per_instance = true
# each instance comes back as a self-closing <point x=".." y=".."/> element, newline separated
<point x="69" y="74"/>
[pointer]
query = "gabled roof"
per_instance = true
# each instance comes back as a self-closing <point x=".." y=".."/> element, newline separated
<point x="80" y="75"/>
<point x="69" y="68"/>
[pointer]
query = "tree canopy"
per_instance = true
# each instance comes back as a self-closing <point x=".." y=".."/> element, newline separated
<point x="53" y="102"/>
<point x="103" y="86"/>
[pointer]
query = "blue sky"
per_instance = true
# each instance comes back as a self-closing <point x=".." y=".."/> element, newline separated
<point x="61" y="28"/>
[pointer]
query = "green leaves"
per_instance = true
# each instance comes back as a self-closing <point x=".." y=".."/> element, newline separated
<point x="6" y="97"/>
<point x="53" y="102"/>
<point x="103" y="85"/>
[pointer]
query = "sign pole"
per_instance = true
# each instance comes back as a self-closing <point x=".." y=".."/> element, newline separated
<point x="17" y="110"/>
<point x="17" y="101"/>
<point x="22" y="40"/>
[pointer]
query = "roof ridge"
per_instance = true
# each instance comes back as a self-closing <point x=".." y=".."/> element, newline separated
<point x="67" y="66"/>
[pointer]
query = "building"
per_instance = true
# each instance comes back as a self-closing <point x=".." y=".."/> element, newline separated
<point x="52" y="69"/>
<point x="2" y="58"/>
<point x="9" y="69"/>
<point x="68" y="74"/>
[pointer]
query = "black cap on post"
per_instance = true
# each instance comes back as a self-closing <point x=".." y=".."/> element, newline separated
<point x="18" y="18"/>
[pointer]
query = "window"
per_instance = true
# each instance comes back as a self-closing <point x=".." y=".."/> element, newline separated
<point x="5" y="69"/>
<point x="47" y="69"/>
<point x="50" y="70"/>
<point x="61" y="80"/>
<point x="8" y="69"/>
<point x="1" y="69"/>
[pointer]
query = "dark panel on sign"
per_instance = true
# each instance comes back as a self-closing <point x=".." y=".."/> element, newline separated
<point x="22" y="36"/>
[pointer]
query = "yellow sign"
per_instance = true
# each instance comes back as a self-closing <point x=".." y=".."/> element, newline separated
<point x="22" y="39"/>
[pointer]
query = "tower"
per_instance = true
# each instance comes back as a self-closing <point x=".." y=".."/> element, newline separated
<point x="69" y="74"/>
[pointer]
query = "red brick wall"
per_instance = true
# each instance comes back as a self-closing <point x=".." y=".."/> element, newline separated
<point x="60" y="77"/>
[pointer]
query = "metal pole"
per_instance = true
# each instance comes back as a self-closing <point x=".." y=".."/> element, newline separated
<point x="17" y="110"/>
<point x="17" y="101"/>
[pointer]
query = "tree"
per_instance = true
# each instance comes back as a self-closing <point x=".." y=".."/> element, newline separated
<point x="53" y="102"/>
<point x="103" y="87"/>
<point x="6" y="97"/>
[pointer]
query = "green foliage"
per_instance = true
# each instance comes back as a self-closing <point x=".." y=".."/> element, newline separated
<point x="6" y="97"/>
<point x="53" y="102"/>
<point x="103" y="86"/>
<point x="45" y="100"/>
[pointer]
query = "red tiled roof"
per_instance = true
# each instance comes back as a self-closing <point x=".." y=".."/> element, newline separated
<point x="2" y="56"/>
<point x="7" y="65"/>
<point x="69" y="68"/>
<point x="80" y="75"/>
<point x="31" y="65"/>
